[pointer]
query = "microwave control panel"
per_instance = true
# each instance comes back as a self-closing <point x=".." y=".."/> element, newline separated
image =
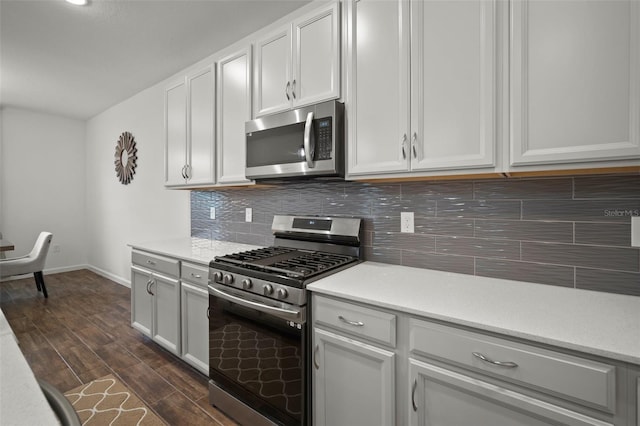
<point x="324" y="138"/>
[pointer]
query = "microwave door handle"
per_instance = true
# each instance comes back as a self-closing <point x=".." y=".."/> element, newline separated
<point x="285" y="314"/>
<point x="309" y="143"/>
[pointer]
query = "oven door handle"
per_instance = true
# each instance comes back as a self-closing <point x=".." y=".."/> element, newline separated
<point x="285" y="314"/>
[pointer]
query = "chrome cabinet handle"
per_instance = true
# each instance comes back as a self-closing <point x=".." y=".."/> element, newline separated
<point x="315" y="357"/>
<point x="151" y="282"/>
<point x="196" y="275"/>
<point x="184" y="172"/>
<point x="187" y="172"/>
<point x="354" y="323"/>
<point x="293" y="89"/>
<point x="208" y="311"/>
<point x="505" y="364"/>
<point x="413" y="144"/>
<point x="404" y="143"/>
<point x="309" y="142"/>
<point x="413" y="394"/>
<point x="286" y="90"/>
<point x="149" y="285"/>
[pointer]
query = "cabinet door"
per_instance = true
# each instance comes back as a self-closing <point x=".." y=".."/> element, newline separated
<point x="175" y="117"/>
<point x="166" y="312"/>
<point x="273" y="72"/>
<point x="354" y="383"/>
<point x="195" y="326"/>
<point x="453" y="85"/>
<point x="316" y="57"/>
<point x="378" y="69"/>
<point x="201" y="115"/>
<point x="141" y="302"/>
<point x="234" y="109"/>
<point x="443" y="397"/>
<point x="575" y="81"/>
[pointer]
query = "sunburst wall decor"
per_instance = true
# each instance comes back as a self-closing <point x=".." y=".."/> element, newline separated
<point x="126" y="158"/>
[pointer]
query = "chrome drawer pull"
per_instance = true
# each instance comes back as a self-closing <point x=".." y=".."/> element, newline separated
<point x="505" y="364"/>
<point x="355" y="323"/>
<point x="315" y="357"/>
<point x="196" y="275"/>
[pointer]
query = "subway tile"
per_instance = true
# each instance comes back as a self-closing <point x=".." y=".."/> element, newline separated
<point x="523" y="189"/>
<point x="479" y="209"/>
<point x="581" y="210"/>
<point x="381" y="254"/>
<point x="440" y="262"/>
<point x="443" y="226"/>
<point x="608" y="281"/>
<point x="244" y="227"/>
<point x="406" y="241"/>
<point x="525" y="271"/>
<point x="340" y="206"/>
<point x="223" y="235"/>
<point x="600" y="257"/>
<point x="256" y="240"/>
<point x="607" y="234"/>
<point x="261" y="229"/>
<point x="458" y="190"/>
<point x="559" y="232"/>
<point x="607" y="187"/>
<point x="503" y="249"/>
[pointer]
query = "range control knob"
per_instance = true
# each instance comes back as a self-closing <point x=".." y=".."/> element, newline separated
<point x="247" y="284"/>
<point x="227" y="279"/>
<point x="217" y="276"/>
<point x="282" y="293"/>
<point x="267" y="289"/>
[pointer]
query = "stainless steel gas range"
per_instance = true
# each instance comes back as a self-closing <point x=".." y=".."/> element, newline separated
<point x="259" y="339"/>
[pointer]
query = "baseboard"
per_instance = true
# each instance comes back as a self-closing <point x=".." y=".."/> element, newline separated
<point x="109" y="275"/>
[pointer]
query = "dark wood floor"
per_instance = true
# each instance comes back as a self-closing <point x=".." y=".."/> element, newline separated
<point x="83" y="332"/>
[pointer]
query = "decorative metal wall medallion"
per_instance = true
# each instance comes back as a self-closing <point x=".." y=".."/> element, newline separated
<point x="126" y="158"/>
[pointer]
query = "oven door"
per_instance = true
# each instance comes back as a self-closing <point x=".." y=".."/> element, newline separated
<point x="258" y="353"/>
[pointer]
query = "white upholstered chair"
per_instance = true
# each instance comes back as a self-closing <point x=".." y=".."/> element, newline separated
<point x="33" y="263"/>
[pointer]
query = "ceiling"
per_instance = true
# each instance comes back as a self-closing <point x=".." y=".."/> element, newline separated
<point x="78" y="61"/>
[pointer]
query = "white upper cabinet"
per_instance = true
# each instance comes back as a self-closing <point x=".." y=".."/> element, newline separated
<point x="234" y="109"/>
<point x="189" y="131"/>
<point x="422" y="86"/>
<point x="575" y="81"/>
<point x="453" y="84"/>
<point x="298" y="64"/>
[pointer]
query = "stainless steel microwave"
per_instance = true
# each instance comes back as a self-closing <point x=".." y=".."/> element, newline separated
<point x="305" y="142"/>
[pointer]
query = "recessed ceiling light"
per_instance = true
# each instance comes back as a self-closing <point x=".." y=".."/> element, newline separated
<point x="78" y="2"/>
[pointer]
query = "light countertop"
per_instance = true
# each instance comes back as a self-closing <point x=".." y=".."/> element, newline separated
<point x="592" y="322"/>
<point x="195" y="250"/>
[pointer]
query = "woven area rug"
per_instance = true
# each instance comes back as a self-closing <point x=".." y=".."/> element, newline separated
<point x="107" y="401"/>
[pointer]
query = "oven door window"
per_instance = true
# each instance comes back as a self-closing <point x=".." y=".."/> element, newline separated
<point x="257" y="358"/>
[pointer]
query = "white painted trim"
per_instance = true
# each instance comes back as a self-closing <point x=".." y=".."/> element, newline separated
<point x="109" y="275"/>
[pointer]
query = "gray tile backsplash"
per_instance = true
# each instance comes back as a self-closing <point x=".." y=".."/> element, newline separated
<point x="569" y="231"/>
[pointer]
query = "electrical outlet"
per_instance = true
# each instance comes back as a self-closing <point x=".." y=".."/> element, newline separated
<point x="248" y="214"/>
<point x="212" y="213"/>
<point x="635" y="231"/>
<point x="406" y="222"/>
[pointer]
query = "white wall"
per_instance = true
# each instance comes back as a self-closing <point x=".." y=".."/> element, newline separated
<point x="144" y="210"/>
<point x="42" y="180"/>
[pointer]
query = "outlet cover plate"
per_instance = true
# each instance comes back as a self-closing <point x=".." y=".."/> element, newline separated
<point x="635" y="231"/>
<point x="248" y="214"/>
<point x="406" y="222"/>
<point x="212" y="213"/>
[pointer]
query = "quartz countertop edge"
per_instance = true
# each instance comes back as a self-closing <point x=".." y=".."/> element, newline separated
<point x="596" y="323"/>
<point x="200" y="251"/>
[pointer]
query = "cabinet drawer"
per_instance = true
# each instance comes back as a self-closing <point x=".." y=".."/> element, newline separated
<point x="194" y="274"/>
<point x="358" y="320"/>
<point x="163" y="265"/>
<point x="577" y="378"/>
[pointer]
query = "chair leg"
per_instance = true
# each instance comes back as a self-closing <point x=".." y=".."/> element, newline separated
<point x="35" y="275"/>
<point x="40" y="281"/>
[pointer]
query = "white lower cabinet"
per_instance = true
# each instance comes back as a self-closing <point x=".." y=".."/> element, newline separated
<point x="353" y="382"/>
<point x="373" y="366"/>
<point x="195" y="323"/>
<point x="443" y="397"/>
<point x="155" y="299"/>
